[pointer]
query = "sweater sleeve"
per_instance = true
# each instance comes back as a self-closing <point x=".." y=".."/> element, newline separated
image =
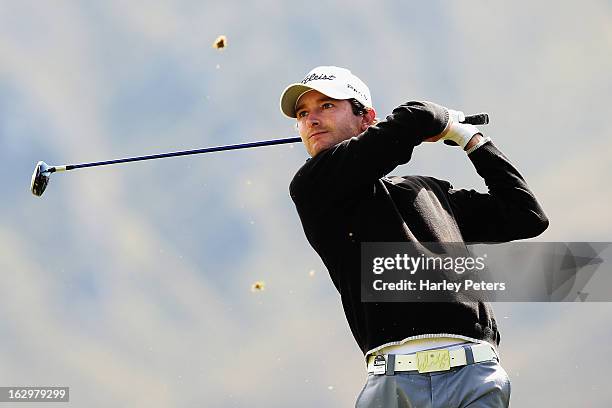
<point x="507" y="212"/>
<point x="335" y="173"/>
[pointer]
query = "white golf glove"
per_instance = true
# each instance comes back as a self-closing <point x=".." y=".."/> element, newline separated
<point x="459" y="133"/>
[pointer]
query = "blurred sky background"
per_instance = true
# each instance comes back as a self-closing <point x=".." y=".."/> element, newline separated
<point x="132" y="284"/>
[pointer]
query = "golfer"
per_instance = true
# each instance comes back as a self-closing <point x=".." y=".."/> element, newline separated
<point x="344" y="197"/>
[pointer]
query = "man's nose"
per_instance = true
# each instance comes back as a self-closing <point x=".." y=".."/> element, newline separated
<point x="313" y="119"/>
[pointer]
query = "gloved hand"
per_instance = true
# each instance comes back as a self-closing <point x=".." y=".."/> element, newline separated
<point x="457" y="133"/>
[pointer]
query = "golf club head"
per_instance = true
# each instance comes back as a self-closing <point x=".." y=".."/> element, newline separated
<point x="40" y="178"/>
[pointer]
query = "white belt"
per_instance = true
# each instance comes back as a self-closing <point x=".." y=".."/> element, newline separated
<point x="431" y="360"/>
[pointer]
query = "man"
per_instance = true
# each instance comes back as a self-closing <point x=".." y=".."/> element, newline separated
<point x="344" y="198"/>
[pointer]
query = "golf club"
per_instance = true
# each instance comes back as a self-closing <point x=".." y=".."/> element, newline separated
<point x="42" y="171"/>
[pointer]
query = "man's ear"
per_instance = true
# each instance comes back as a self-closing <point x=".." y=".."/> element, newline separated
<point x="368" y="118"/>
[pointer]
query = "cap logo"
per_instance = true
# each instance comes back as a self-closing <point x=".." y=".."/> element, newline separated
<point x="318" y="77"/>
<point x="349" y="86"/>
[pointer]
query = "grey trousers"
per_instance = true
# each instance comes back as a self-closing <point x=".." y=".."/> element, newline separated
<point x="477" y="385"/>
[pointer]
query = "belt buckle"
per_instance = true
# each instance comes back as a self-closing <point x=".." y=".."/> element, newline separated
<point x="433" y="360"/>
<point x="380" y="365"/>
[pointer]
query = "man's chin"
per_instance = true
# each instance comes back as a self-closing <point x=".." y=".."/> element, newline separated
<point x="318" y="148"/>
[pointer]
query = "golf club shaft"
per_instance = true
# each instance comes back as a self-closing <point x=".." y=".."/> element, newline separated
<point x="175" y="154"/>
<point x="477" y="119"/>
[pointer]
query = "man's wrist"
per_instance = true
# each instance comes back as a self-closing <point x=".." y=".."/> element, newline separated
<point x="477" y="138"/>
<point x="477" y="146"/>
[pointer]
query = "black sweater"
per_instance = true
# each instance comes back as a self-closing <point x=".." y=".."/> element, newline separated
<point x="343" y="198"/>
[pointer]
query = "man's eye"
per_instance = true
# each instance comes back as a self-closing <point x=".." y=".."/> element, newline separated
<point x="302" y="114"/>
<point x="327" y="105"/>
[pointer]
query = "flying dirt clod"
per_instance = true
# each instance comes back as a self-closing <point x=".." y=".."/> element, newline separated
<point x="220" y="42"/>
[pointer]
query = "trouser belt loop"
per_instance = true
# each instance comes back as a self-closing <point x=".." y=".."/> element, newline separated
<point x="390" y="364"/>
<point x="469" y="355"/>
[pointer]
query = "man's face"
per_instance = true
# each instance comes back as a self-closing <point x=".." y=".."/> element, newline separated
<point x="324" y="122"/>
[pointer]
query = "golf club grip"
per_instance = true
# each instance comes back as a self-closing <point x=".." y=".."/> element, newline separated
<point x="476" y="119"/>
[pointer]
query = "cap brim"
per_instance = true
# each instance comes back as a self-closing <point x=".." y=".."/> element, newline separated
<point x="290" y="96"/>
<point x="293" y="92"/>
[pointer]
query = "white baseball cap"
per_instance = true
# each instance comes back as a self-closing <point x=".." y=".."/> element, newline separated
<point x="335" y="82"/>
